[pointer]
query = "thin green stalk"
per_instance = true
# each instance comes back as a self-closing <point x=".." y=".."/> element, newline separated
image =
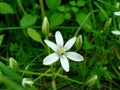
<point x="93" y="16"/>
<point x="79" y="28"/>
<point x="69" y="79"/>
<point x="4" y="59"/>
<point x="43" y="74"/>
<point x="21" y="7"/>
<point x="42" y="7"/>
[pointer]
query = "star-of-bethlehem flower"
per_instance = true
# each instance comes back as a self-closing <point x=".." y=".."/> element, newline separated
<point x="61" y="52"/>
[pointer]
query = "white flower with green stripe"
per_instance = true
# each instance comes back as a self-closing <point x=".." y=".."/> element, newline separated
<point x="61" y="52"/>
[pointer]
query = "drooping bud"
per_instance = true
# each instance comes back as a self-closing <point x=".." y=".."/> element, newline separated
<point x="45" y="26"/>
<point x="27" y="81"/>
<point x="91" y="80"/>
<point x="78" y="42"/>
<point x="13" y="64"/>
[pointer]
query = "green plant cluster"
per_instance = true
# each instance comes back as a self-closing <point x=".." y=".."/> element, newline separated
<point x="21" y="37"/>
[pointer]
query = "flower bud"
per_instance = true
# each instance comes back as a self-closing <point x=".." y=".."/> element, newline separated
<point x="45" y="26"/>
<point x="91" y="80"/>
<point x="107" y="24"/>
<point x="13" y="64"/>
<point x="117" y="5"/>
<point x="78" y="42"/>
<point x="27" y="81"/>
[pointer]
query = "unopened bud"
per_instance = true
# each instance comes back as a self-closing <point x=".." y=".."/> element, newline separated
<point x="78" y="42"/>
<point x="27" y="81"/>
<point x="13" y="64"/>
<point x="91" y="80"/>
<point x="107" y="24"/>
<point x="45" y="26"/>
<point x="117" y="5"/>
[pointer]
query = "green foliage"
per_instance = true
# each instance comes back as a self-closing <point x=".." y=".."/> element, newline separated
<point x="82" y="18"/>
<point x="5" y="8"/>
<point x="28" y="20"/>
<point x="53" y="4"/>
<point x="56" y="19"/>
<point x="34" y="35"/>
<point x="7" y="71"/>
<point x="93" y="19"/>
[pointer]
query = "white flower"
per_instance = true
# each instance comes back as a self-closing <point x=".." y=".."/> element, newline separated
<point x="27" y="81"/>
<point x="60" y="52"/>
<point x="117" y="13"/>
<point x="116" y="32"/>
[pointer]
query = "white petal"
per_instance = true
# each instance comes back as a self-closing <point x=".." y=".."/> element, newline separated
<point x="117" y="13"/>
<point x="59" y="39"/>
<point x="64" y="63"/>
<point x="74" y="56"/>
<point x="116" y="32"/>
<point x="69" y="43"/>
<point x="50" y="59"/>
<point x="52" y="45"/>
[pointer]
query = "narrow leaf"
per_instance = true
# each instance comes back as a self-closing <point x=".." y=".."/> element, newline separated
<point x="1" y="38"/>
<point x="34" y="35"/>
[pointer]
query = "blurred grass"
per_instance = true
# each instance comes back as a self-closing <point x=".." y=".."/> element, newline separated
<point x="100" y="48"/>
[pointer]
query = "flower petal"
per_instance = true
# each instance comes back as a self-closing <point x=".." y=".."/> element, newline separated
<point x="59" y="39"/>
<point x="117" y="13"/>
<point x="116" y="32"/>
<point x="64" y="63"/>
<point x="52" y="45"/>
<point x="69" y="43"/>
<point x="50" y="59"/>
<point x="74" y="56"/>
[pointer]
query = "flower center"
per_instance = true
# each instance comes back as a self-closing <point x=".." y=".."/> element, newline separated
<point x="61" y="51"/>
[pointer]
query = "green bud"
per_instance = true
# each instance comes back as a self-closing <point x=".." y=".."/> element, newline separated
<point x="45" y="26"/>
<point x="13" y="64"/>
<point x="107" y="24"/>
<point x="27" y="81"/>
<point x="117" y="5"/>
<point x="78" y="42"/>
<point x="91" y="80"/>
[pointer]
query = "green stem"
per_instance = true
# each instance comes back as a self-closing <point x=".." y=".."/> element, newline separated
<point x="43" y="74"/>
<point x="20" y="5"/>
<point x="93" y="16"/>
<point x="79" y="28"/>
<point x="69" y="79"/>
<point x="53" y="78"/>
<point x="4" y="59"/>
<point x="42" y="8"/>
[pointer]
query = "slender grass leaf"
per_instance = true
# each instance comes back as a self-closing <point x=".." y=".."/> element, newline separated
<point x="1" y="38"/>
<point x="9" y="72"/>
<point x="82" y="18"/>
